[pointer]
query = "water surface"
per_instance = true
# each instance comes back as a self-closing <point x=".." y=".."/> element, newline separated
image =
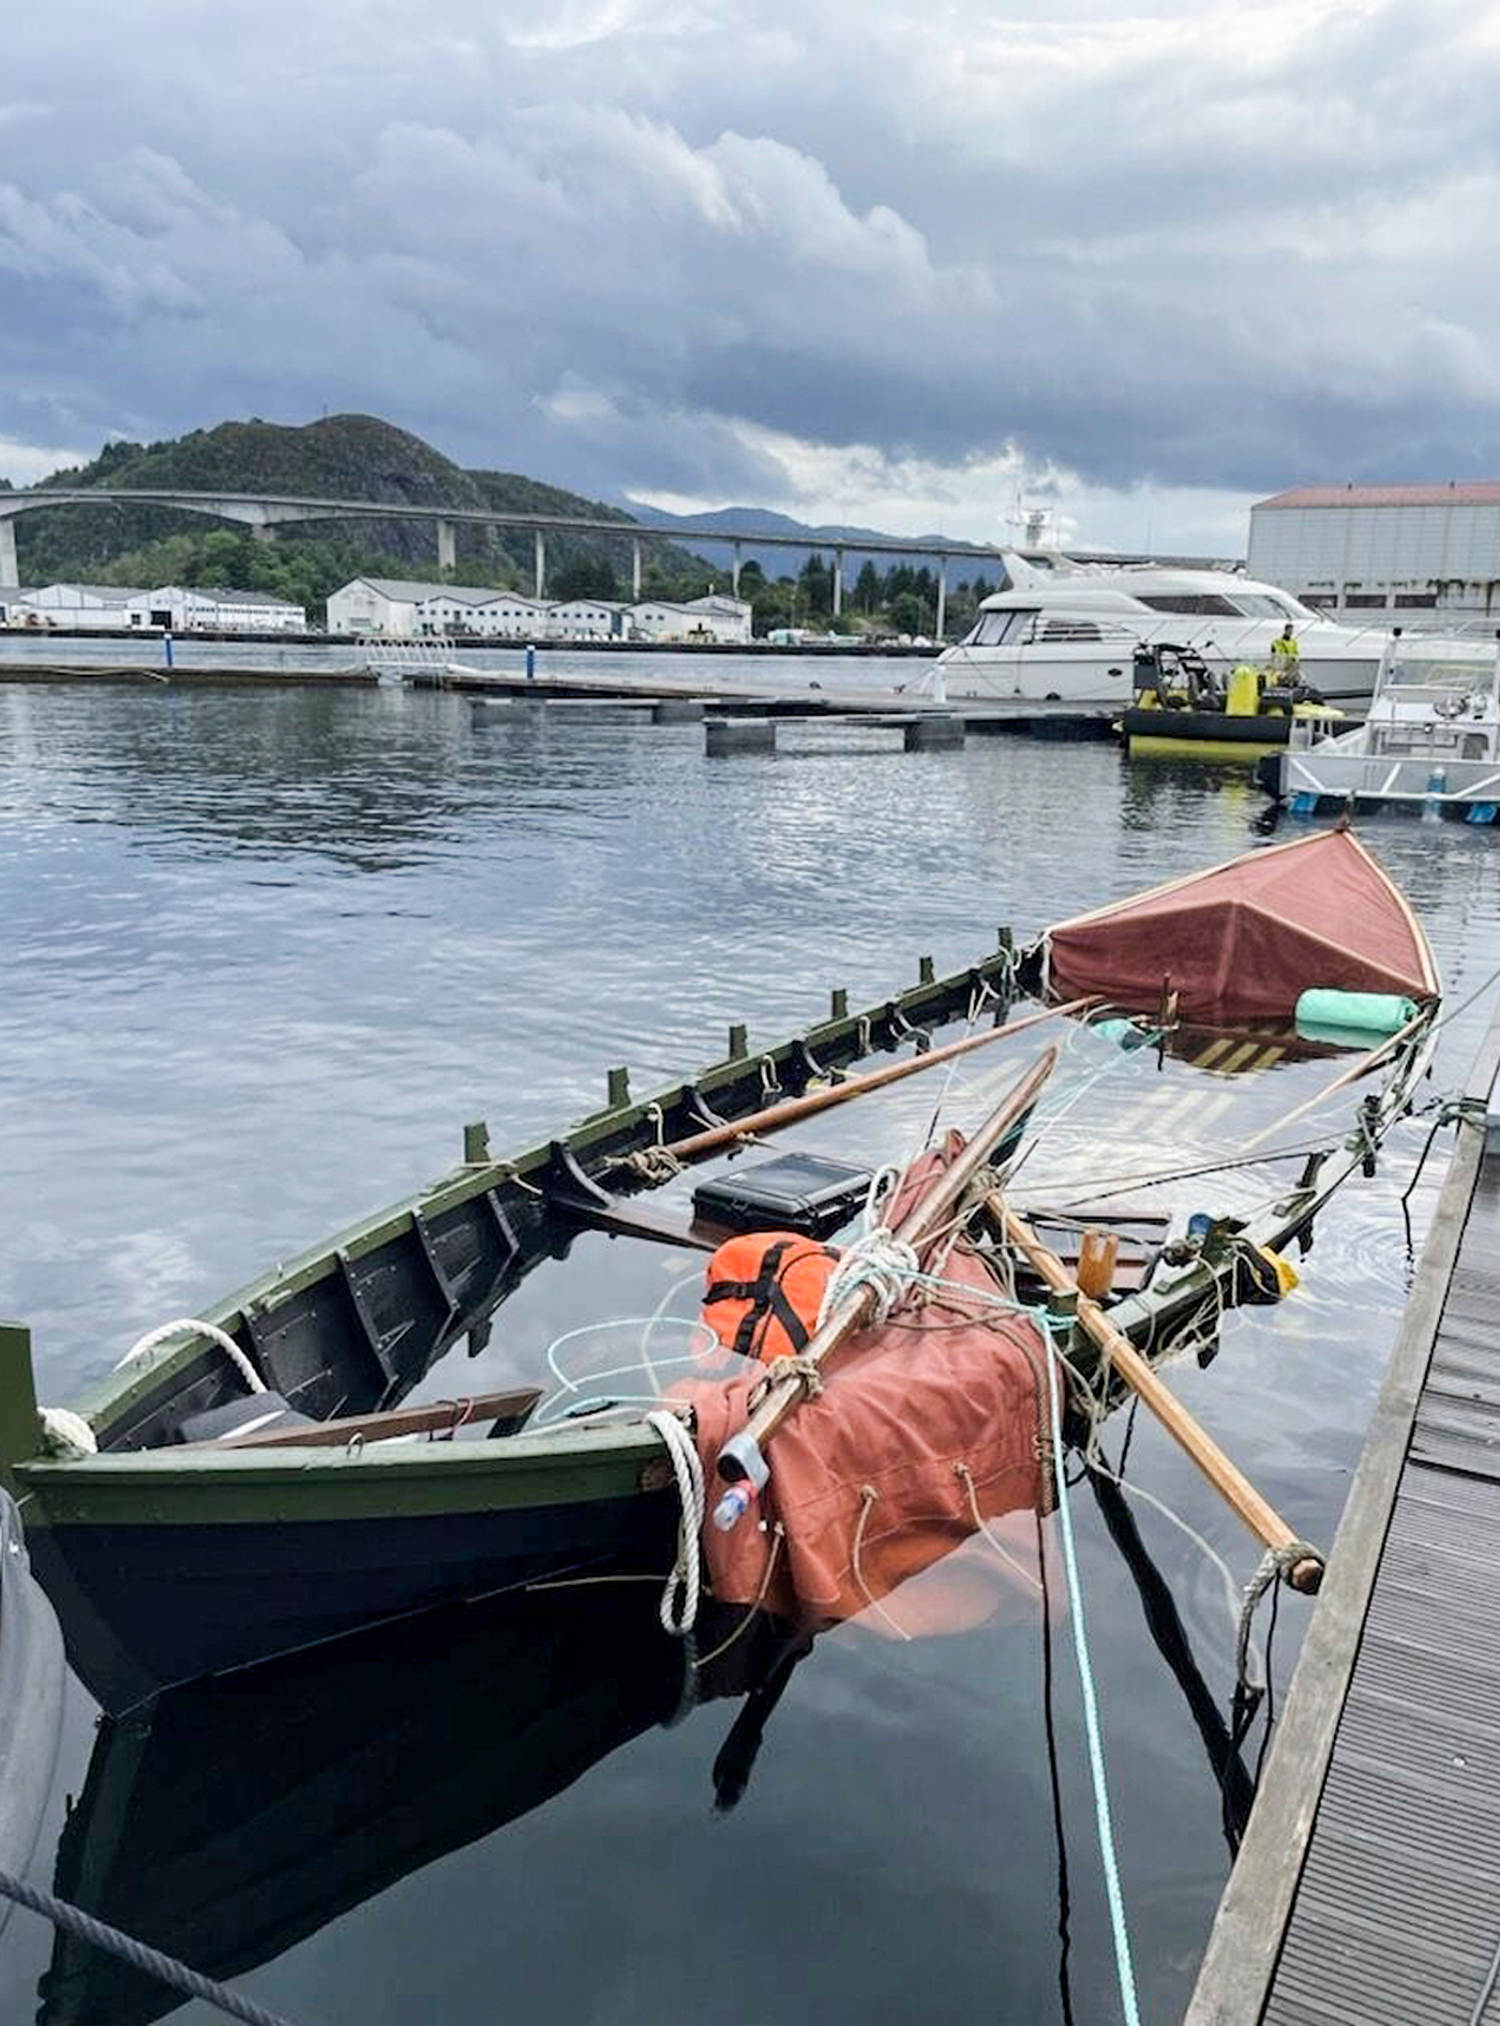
<point x="266" y="953"/>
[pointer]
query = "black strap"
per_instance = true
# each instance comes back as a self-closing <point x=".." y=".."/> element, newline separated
<point x="767" y="1297"/>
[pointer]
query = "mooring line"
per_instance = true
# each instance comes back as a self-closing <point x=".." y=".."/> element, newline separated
<point x="1123" y="1966"/>
<point x="190" y="1983"/>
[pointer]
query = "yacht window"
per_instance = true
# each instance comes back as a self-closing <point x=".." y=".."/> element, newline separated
<point x="994" y="627"/>
<point x="1260" y="605"/>
<point x="1198" y="603"/>
<point x="1070" y="629"/>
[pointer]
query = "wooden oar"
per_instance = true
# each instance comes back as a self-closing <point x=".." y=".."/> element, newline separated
<point x="793" y="1108"/>
<point x="741" y="1457"/>
<point x="1226" y="1477"/>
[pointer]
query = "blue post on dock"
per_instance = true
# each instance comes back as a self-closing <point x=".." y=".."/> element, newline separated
<point x="166" y="648"/>
<point x="530" y="662"/>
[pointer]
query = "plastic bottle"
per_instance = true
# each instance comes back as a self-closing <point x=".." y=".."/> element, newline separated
<point x="733" y="1506"/>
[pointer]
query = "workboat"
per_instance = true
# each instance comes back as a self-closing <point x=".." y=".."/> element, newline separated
<point x="295" y="1461"/>
<point x="1430" y="744"/>
<point x="1067" y="633"/>
<point x="1183" y="709"/>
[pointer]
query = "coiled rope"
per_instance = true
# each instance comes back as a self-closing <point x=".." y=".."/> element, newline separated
<point x="72" y="1920"/>
<point x="679" y="1600"/>
<point x="65" y="1433"/>
<point x="880" y="1261"/>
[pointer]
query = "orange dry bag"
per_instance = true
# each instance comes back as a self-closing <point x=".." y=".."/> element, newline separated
<point x="764" y="1291"/>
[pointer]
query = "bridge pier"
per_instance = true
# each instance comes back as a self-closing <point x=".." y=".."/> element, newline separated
<point x="541" y="564"/>
<point x="262" y="531"/>
<point x="447" y="538"/>
<point x="10" y="571"/>
<point x="734" y="574"/>
<point x="635" y="571"/>
<point x="942" y="611"/>
<point x="838" y="582"/>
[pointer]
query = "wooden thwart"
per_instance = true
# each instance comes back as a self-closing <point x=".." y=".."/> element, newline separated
<point x="439" y="1418"/>
<point x="1226" y="1477"/>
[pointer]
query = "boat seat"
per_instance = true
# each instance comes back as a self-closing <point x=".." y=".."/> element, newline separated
<point x="259" y="1411"/>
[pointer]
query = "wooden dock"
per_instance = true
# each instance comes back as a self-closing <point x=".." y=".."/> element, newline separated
<point x="1367" y="1888"/>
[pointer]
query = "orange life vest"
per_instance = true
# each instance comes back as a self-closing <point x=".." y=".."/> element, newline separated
<point x="764" y="1290"/>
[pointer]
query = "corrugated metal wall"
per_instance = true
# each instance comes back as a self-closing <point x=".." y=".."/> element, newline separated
<point x="1368" y="550"/>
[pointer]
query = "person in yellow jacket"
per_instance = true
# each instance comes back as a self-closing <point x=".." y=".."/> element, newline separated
<point x="1285" y="654"/>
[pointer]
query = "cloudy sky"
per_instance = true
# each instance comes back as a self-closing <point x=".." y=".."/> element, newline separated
<point x="906" y="263"/>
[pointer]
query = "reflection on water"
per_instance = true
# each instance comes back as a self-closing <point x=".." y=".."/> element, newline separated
<point x="267" y="952"/>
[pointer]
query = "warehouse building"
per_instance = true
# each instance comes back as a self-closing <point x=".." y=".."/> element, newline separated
<point x="1393" y="549"/>
<point x="170" y="608"/>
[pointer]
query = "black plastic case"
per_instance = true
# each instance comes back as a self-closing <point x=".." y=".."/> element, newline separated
<point x="795" y="1192"/>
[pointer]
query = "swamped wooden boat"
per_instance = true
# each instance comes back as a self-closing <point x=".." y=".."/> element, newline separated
<point x="250" y="1481"/>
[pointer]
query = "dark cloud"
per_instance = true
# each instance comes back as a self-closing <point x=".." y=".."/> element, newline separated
<point x="627" y="244"/>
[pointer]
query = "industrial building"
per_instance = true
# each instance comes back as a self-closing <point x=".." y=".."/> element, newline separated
<point x="393" y="609"/>
<point x="170" y="608"/>
<point x="1417" y="550"/>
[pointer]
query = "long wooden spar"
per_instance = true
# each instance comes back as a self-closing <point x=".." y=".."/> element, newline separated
<point x="1372" y="1059"/>
<point x="793" y="1108"/>
<point x="1226" y="1477"/>
<point x="741" y="1457"/>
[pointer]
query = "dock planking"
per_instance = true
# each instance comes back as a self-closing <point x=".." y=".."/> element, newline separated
<point x="1367" y="1888"/>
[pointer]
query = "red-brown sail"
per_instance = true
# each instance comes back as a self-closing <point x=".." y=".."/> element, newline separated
<point x="1245" y="940"/>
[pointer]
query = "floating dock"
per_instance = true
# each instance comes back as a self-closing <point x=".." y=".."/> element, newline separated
<point x="840" y="703"/>
<point x="1367" y="1888"/>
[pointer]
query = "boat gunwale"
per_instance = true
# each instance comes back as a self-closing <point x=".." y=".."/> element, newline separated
<point x="582" y="1444"/>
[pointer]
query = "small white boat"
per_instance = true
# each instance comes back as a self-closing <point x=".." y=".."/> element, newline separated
<point x="1063" y="632"/>
<point x="1431" y="742"/>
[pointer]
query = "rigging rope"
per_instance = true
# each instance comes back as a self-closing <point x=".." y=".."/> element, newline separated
<point x="72" y="1920"/>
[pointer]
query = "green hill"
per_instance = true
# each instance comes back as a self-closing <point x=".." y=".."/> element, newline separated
<point x="339" y="457"/>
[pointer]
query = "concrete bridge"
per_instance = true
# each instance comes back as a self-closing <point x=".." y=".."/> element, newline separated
<point x="263" y="513"/>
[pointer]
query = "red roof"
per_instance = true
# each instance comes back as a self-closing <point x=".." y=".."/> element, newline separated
<point x="1243" y="941"/>
<point x="1475" y="492"/>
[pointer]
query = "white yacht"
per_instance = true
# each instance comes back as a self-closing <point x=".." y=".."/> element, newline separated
<point x="1063" y="632"/>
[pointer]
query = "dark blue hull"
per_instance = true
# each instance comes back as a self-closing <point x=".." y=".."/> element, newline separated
<point x="146" y="1606"/>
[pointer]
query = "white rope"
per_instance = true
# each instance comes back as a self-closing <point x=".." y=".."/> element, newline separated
<point x="879" y="1261"/>
<point x="679" y="1600"/>
<point x="65" y="1433"/>
<point x="185" y="1325"/>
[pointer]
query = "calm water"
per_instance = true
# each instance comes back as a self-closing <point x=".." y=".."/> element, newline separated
<point x="265" y="954"/>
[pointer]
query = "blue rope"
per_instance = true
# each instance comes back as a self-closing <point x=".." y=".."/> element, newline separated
<point x="1124" y="1969"/>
